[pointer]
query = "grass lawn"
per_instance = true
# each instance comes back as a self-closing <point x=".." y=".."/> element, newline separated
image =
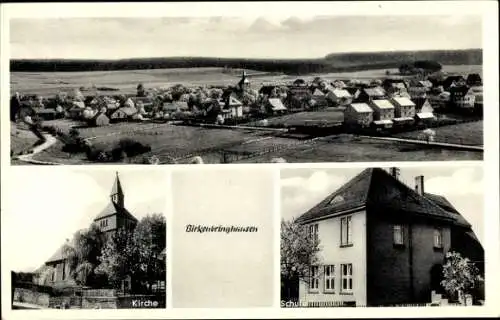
<point x="470" y="133"/>
<point x="347" y="148"/>
<point x="302" y="118"/>
<point x="21" y="139"/>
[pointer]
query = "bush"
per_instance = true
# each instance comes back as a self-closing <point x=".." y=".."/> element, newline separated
<point x="118" y="154"/>
<point x="74" y="132"/>
<point x="132" y="147"/>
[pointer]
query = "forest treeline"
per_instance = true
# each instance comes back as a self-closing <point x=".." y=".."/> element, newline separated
<point x="337" y="62"/>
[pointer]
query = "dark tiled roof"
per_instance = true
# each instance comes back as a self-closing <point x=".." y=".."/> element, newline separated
<point x="377" y="188"/>
<point x="111" y="209"/>
<point x="352" y="90"/>
<point x="117" y="186"/>
<point x="59" y="255"/>
<point x="374" y="92"/>
<point x="354" y="194"/>
<point x="446" y="205"/>
<point x="419" y="103"/>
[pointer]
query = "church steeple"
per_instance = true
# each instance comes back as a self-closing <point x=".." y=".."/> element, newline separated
<point x="117" y="196"/>
<point x="244" y="82"/>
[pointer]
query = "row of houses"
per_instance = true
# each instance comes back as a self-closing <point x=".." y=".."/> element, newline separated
<point x="454" y="91"/>
<point x="387" y="112"/>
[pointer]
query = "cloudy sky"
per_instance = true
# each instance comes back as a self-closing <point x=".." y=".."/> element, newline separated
<point x="47" y="206"/>
<point x="301" y="189"/>
<point x="252" y="37"/>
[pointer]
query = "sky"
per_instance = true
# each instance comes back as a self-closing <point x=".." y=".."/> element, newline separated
<point x="242" y="37"/>
<point x="301" y="189"/>
<point x="47" y="206"/>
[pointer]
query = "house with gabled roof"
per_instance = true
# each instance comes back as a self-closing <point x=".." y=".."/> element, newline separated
<point x="382" y="242"/>
<point x="404" y="110"/>
<point x="319" y="97"/>
<point x="123" y="113"/>
<point x="474" y="79"/>
<point x="371" y="93"/>
<point x="358" y="115"/>
<point x="230" y="107"/>
<point x="453" y="81"/>
<point x="274" y="106"/>
<point x="111" y="218"/>
<point x="394" y="87"/>
<point x="383" y="112"/>
<point x="461" y="97"/>
<point x="339" y="97"/>
<point x="424" y="110"/>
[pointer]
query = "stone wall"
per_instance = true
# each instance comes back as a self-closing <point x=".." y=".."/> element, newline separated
<point x="99" y="302"/>
<point x="32" y="297"/>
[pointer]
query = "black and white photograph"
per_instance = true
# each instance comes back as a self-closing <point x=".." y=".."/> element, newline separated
<point x="223" y="233"/>
<point x="97" y="241"/>
<point x="382" y="237"/>
<point x="240" y="89"/>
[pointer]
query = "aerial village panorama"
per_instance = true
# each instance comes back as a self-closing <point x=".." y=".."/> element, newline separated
<point x="423" y="110"/>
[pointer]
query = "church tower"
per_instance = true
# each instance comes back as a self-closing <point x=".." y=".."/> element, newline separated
<point x="117" y="196"/>
<point x="244" y="82"/>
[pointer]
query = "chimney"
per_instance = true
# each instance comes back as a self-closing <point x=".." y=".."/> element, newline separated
<point x="419" y="185"/>
<point x="394" y="172"/>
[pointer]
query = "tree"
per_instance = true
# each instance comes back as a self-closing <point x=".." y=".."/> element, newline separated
<point x="215" y="93"/>
<point x="118" y="259"/>
<point x="136" y="254"/>
<point x="83" y="255"/>
<point x="298" y="250"/>
<point x="149" y="240"/>
<point x="460" y="276"/>
<point x="248" y="98"/>
<point x="141" y="92"/>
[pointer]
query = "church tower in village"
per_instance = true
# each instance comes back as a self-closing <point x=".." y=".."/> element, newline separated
<point x="244" y="82"/>
<point x="115" y="216"/>
<point x="117" y="196"/>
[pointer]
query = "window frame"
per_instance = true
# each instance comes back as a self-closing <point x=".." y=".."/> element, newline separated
<point x="346" y="277"/>
<point x="401" y="234"/>
<point x="314" y="279"/>
<point x="313" y="231"/>
<point x="438" y="239"/>
<point x="330" y="277"/>
<point x="348" y="231"/>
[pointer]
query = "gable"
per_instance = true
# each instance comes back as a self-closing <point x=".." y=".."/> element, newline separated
<point x="353" y="195"/>
<point x="377" y="189"/>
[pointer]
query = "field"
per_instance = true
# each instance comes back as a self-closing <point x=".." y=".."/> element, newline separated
<point x="50" y="83"/>
<point x="21" y="139"/>
<point x="302" y="118"/>
<point x="347" y="148"/>
<point x="470" y="133"/>
<point x="166" y="140"/>
<point x="182" y="142"/>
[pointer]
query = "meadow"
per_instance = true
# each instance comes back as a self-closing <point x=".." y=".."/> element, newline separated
<point x="469" y="133"/>
<point x="347" y="148"/>
<point x="125" y="81"/>
<point x="329" y="116"/>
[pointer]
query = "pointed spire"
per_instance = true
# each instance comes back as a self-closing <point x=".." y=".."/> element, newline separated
<point x="117" y="196"/>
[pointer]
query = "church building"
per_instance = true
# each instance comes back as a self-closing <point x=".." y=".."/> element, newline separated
<point x="113" y="217"/>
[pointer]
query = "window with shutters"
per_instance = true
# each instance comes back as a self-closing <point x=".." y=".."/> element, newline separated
<point x="346" y="231"/>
